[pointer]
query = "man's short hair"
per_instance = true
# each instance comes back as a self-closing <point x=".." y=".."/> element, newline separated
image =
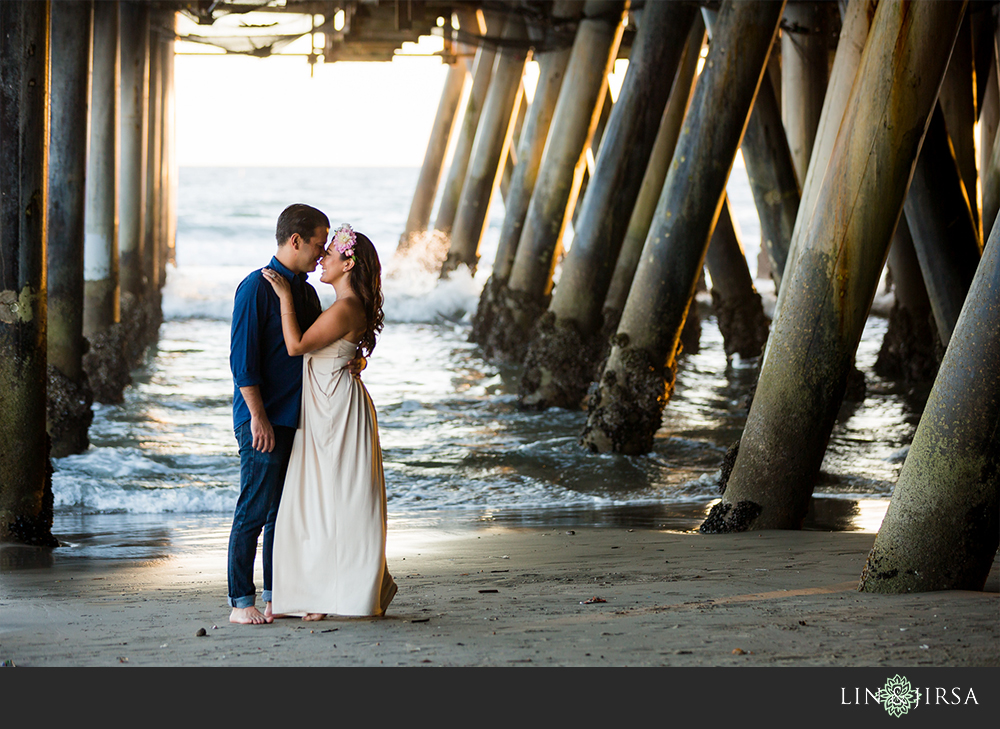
<point x="299" y="218"/>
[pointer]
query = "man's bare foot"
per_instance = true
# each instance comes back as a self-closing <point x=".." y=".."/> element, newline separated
<point x="248" y="616"/>
<point x="271" y="615"/>
<point x="314" y="616"/>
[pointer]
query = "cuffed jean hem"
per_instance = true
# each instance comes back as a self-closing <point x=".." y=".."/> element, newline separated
<point x="261" y="478"/>
<point x="241" y="602"/>
<point x="265" y="596"/>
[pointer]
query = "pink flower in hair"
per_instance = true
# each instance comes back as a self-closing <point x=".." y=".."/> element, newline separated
<point x="344" y="240"/>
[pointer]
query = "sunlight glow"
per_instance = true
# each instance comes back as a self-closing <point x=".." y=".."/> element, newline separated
<point x="235" y="110"/>
<point x="530" y="81"/>
<point x="617" y="77"/>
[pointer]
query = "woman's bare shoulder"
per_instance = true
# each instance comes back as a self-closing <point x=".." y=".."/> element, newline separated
<point x="348" y="310"/>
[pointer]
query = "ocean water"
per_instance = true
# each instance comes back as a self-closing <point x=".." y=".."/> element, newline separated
<point x="456" y="447"/>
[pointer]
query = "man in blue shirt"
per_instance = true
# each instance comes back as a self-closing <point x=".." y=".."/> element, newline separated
<point x="266" y="398"/>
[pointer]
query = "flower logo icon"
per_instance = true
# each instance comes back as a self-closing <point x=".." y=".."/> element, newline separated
<point x="897" y="696"/>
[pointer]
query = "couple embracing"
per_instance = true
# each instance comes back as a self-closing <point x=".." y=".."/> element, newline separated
<point x="310" y="461"/>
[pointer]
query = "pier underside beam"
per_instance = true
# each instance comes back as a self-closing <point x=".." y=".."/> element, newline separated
<point x="828" y="294"/>
<point x="945" y="236"/>
<point x="942" y="528"/>
<point x="551" y="71"/>
<point x="489" y="149"/>
<point x="69" y="396"/>
<point x="638" y="376"/>
<point x="563" y="161"/>
<point x="652" y="181"/>
<point x="25" y="467"/>
<point x="105" y="362"/>
<point x="566" y="345"/>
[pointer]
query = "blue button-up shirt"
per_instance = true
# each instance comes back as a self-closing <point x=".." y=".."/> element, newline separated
<point x="257" y="353"/>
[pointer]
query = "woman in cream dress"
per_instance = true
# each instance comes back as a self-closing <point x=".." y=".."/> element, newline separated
<point x="329" y="538"/>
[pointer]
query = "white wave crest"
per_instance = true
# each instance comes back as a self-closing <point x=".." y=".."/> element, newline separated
<point x="413" y="288"/>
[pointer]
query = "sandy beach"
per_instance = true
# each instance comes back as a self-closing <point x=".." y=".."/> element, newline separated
<point x="503" y="596"/>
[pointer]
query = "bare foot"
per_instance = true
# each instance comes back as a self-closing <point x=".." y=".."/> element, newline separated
<point x="271" y="615"/>
<point x="248" y="616"/>
<point x="314" y="616"/>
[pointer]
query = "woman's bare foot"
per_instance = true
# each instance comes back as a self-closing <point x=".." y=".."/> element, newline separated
<point x="271" y="615"/>
<point x="314" y="616"/>
<point x="248" y="616"/>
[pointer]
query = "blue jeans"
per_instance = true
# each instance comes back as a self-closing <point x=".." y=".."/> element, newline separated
<point x="262" y="476"/>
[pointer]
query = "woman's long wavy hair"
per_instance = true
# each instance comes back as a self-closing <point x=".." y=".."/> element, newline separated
<point x="366" y="281"/>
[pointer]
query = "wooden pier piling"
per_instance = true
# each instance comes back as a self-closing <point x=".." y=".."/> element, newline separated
<point x="105" y="360"/>
<point x="552" y="61"/>
<point x="150" y="259"/>
<point x="482" y="72"/>
<point x="554" y="196"/>
<point x="736" y="304"/>
<point x="829" y="291"/>
<point x="490" y="147"/>
<point x="566" y="345"/>
<point x="909" y="351"/>
<point x="773" y="179"/>
<point x="638" y="375"/>
<point x="769" y="164"/>
<point x="989" y="174"/>
<point x="69" y="396"/>
<point x="958" y="104"/>
<point x="25" y="468"/>
<point x="166" y="142"/>
<point x="101" y="301"/>
<point x="850" y="45"/>
<point x="804" y="66"/>
<point x="437" y="145"/>
<point x="945" y="234"/>
<point x="652" y="180"/>
<point x="432" y="168"/>
<point x="942" y="528"/>
<point x="134" y="28"/>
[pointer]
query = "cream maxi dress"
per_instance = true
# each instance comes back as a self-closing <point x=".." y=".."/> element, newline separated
<point x="329" y="538"/>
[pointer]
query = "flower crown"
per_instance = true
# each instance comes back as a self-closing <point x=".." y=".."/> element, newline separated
<point x="344" y="240"/>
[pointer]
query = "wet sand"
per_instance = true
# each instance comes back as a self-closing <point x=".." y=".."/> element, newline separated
<point x="503" y="596"/>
